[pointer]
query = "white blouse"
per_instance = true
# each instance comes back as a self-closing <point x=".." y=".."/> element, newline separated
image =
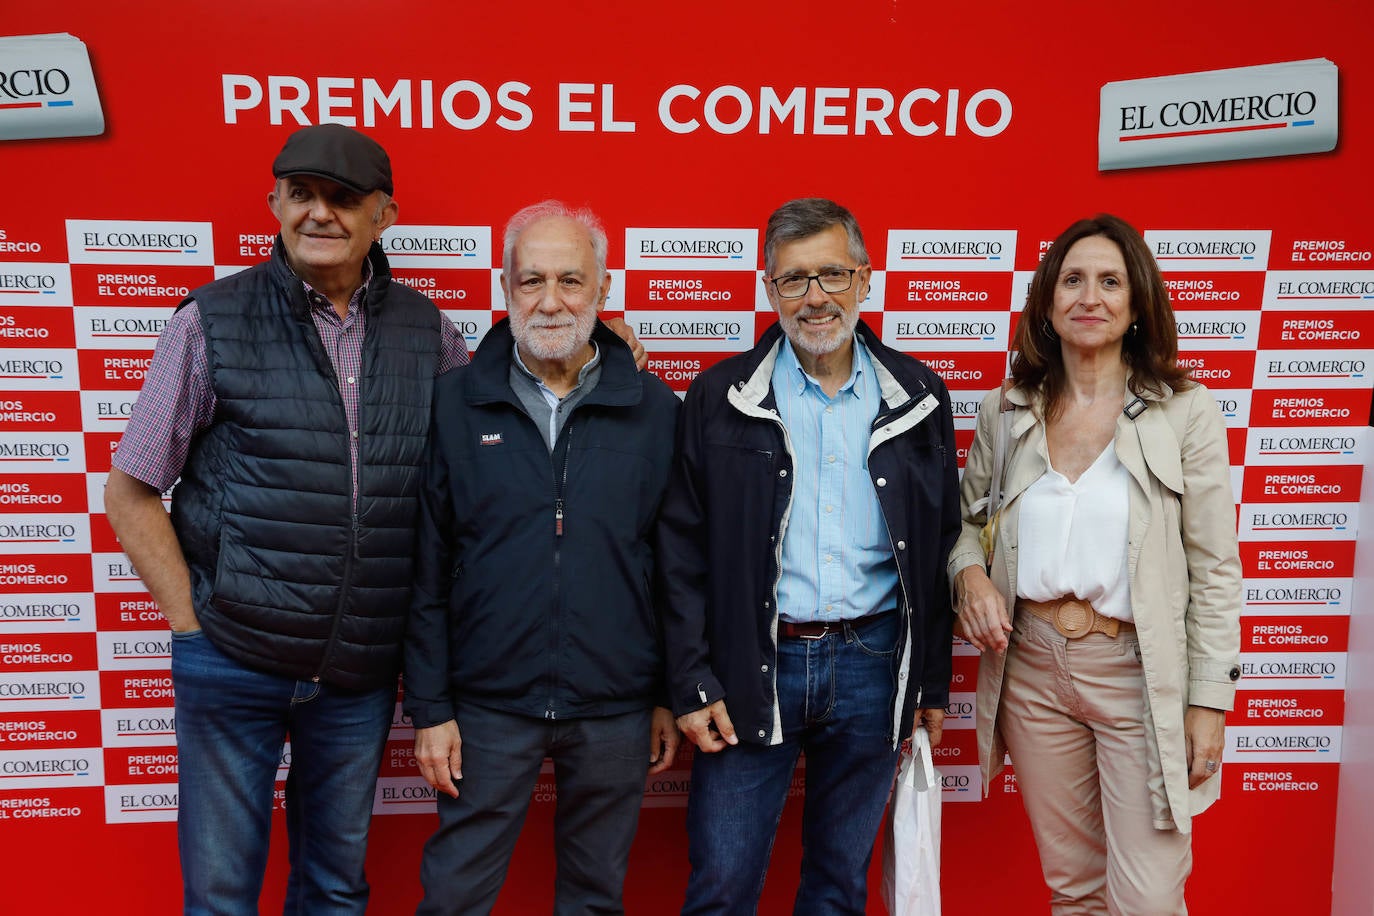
<point x="1072" y="537"/>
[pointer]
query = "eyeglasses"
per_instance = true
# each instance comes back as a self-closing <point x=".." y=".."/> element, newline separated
<point x="830" y="280"/>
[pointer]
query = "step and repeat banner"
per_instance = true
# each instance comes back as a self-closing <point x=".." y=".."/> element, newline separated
<point x="137" y="143"/>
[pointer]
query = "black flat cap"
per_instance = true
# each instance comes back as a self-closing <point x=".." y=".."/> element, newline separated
<point x="338" y="153"/>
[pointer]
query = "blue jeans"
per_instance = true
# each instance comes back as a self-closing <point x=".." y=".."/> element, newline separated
<point x="835" y="696"/>
<point x="231" y="722"/>
<point x="599" y="770"/>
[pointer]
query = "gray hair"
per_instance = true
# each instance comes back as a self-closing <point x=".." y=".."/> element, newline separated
<point x="523" y="219"/>
<point x="805" y="217"/>
<point x="382" y="201"/>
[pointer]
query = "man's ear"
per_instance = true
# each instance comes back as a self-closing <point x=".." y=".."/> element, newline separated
<point x="605" y="291"/>
<point x="387" y="218"/>
<point x="771" y="292"/>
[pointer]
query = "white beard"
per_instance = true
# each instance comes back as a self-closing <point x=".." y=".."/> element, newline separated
<point x="553" y="339"/>
<point x="817" y="342"/>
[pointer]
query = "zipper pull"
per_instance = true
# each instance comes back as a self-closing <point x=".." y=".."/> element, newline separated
<point x="558" y="518"/>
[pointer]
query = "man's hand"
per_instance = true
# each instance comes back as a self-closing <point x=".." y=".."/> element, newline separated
<point x="135" y="512"/>
<point x="663" y="740"/>
<point x="622" y="330"/>
<point x="933" y="720"/>
<point x="709" y="728"/>
<point x="982" y="611"/>
<point x="1204" y="731"/>
<point x="439" y="753"/>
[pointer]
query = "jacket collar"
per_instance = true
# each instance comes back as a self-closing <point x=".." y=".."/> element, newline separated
<point x="897" y="384"/>
<point x="291" y="285"/>
<point x="489" y="371"/>
<point x="906" y="398"/>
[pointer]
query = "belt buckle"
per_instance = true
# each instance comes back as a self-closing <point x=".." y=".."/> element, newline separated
<point x="825" y="631"/>
<point x="1072" y="617"/>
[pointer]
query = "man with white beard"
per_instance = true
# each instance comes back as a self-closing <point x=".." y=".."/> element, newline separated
<point x="803" y="541"/>
<point x="532" y="629"/>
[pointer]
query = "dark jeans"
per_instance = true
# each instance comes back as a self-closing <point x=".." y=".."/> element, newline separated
<point x="835" y="696"/>
<point x="599" y="768"/>
<point x="231" y="722"/>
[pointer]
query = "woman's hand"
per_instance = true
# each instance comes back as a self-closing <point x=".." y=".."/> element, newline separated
<point x="1204" y="731"/>
<point x="982" y="610"/>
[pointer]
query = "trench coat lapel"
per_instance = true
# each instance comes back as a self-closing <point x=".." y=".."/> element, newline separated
<point x="1147" y="447"/>
<point x="1151" y="448"/>
<point x="1027" y="454"/>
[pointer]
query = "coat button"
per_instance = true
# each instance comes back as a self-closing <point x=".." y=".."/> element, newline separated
<point x="901" y="545"/>
<point x="782" y="473"/>
<point x="1234" y="673"/>
<point x="762" y="734"/>
<point x="763" y="668"/>
<point x="881" y="481"/>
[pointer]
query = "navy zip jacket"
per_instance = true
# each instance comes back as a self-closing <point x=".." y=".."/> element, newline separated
<point x="506" y="612"/>
<point x="291" y="572"/>
<point x="720" y="534"/>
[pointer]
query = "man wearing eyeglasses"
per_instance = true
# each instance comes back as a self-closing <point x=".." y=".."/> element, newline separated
<point x="802" y="544"/>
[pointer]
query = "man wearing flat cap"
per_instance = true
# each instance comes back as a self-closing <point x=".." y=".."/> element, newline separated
<point x="292" y="400"/>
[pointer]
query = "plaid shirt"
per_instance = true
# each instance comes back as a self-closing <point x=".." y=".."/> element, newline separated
<point x="177" y="402"/>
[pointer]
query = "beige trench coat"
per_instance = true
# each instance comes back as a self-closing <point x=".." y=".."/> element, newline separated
<point x="1183" y="565"/>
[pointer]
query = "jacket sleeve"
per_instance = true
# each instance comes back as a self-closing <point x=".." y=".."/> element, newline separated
<point x="974" y="487"/>
<point x="1207" y="519"/>
<point x="682" y="566"/>
<point x="937" y="640"/>
<point x="428" y="701"/>
<point x="663" y="693"/>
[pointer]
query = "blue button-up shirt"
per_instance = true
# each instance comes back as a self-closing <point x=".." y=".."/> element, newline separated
<point x="837" y="561"/>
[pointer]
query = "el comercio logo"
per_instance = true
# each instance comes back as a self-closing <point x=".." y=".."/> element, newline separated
<point x="47" y="89"/>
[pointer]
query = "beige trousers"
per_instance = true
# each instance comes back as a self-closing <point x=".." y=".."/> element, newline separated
<point x="1073" y="717"/>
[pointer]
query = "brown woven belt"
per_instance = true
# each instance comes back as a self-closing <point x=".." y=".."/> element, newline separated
<point x="1074" y="617"/>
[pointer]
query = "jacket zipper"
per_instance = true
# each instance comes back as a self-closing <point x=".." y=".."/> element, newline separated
<point x="777" y="557"/>
<point x="758" y="412"/>
<point x="782" y="531"/>
<point x="343" y="598"/>
<point x="353" y="489"/>
<point x="560" y="486"/>
<point x="878" y="422"/>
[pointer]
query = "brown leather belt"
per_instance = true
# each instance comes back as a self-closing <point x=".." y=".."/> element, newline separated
<point x="1074" y="617"/>
<point x="789" y="630"/>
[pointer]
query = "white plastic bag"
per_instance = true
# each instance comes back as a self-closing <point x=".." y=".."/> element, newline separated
<point x="911" y="848"/>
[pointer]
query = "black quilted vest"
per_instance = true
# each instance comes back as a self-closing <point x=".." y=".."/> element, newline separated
<point x="284" y="577"/>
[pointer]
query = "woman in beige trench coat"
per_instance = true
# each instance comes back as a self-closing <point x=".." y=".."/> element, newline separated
<point x="1109" y="620"/>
